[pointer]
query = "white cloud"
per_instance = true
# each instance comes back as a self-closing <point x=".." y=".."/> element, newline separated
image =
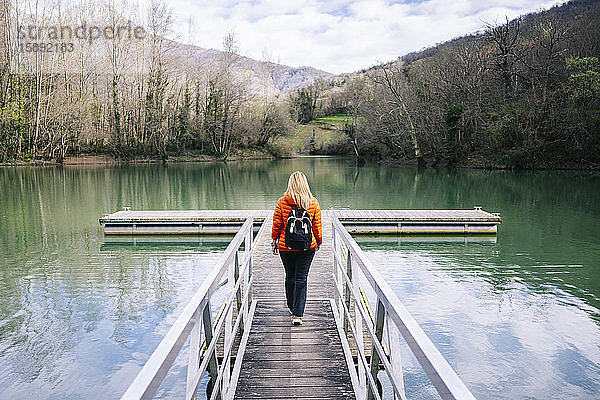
<point x="340" y="35"/>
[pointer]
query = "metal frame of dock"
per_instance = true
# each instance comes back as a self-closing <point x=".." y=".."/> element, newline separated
<point x="246" y="343"/>
<point x="204" y="222"/>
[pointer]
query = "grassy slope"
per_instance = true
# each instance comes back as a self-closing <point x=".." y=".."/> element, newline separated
<point x="328" y="133"/>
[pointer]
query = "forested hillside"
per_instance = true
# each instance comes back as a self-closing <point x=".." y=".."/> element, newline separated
<point x="523" y="93"/>
<point x="130" y="97"/>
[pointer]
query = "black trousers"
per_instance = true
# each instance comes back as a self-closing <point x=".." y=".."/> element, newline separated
<point x="296" y="264"/>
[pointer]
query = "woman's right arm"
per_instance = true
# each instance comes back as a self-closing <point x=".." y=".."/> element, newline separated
<point x="277" y="222"/>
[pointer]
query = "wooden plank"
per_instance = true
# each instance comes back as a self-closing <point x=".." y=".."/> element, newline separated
<point x="279" y="397"/>
<point x="310" y="315"/>
<point x="289" y="356"/>
<point x="285" y="321"/>
<point x="284" y="348"/>
<point x="268" y="336"/>
<point x="363" y="213"/>
<point x="374" y="214"/>
<point x="298" y="392"/>
<point x="277" y="312"/>
<point x="305" y="340"/>
<point x="289" y="381"/>
<point x="293" y="364"/>
<point x="299" y="362"/>
<point x="315" y="371"/>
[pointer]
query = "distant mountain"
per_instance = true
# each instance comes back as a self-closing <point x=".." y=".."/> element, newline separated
<point x="289" y="78"/>
<point x="279" y="77"/>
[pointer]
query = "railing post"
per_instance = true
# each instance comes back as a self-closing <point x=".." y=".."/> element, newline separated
<point x="228" y="328"/>
<point x="194" y="357"/>
<point x="379" y="322"/>
<point x="347" y="291"/>
<point x="248" y="247"/>
<point x="395" y="356"/>
<point x="238" y="293"/>
<point x="336" y="272"/>
<point x="358" y="328"/>
<point x="213" y="365"/>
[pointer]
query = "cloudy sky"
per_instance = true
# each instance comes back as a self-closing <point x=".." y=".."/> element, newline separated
<point x="338" y="35"/>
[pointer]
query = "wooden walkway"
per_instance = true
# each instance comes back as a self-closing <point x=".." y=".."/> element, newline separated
<point x="282" y="361"/>
<point x="274" y="359"/>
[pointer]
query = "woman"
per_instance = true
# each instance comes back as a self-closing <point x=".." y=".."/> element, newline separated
<point x="296" y="262"/>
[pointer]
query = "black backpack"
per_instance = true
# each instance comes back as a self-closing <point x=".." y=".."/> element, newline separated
<point x="298" y="229"/>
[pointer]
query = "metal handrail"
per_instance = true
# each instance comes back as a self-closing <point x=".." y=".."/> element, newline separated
<point x="389" y="310"/>
<point x="195" y="316"/>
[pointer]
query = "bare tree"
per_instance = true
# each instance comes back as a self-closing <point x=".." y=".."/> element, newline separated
<point x="506" y="40"/>
<point x="226" y="92"/>
<point x="547" y="61"/>
<point x="156" y="128"/>
<point x="392" y="79"/>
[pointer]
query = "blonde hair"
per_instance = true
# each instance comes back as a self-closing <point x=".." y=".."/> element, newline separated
<point x="299" y="190"/>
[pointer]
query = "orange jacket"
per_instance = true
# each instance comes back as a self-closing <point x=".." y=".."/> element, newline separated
<point x="282" y="210"/>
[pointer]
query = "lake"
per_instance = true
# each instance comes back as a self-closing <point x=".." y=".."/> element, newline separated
<point x="517" y="316"/>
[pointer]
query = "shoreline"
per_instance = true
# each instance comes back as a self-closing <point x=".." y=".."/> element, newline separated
<point x="105" y="160"/>
<point x="491" y="166"/>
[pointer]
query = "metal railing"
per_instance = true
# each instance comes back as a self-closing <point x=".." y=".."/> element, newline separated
<point x="195" y="322"/>
<point x="391" y="315"/>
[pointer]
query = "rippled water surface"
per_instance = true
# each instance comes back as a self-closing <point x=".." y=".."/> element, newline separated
<point x="516" y="316"/>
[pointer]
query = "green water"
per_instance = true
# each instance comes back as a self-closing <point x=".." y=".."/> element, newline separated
<point x="517" y="317"/>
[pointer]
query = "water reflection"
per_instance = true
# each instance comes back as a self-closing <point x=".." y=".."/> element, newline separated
<point x="391" y="241"/>
<point x="173" y="243"/>
<point x="510" y="331"/>
<point x="79" y="314"/>
<point x="75" y="316"/>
